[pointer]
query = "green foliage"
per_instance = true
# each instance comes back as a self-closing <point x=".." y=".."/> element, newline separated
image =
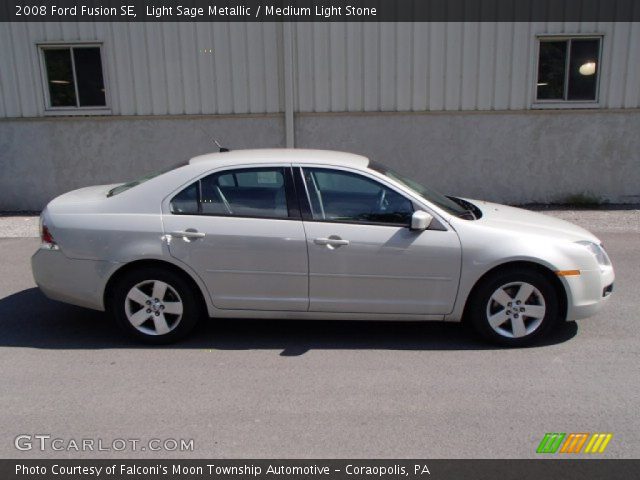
<point x="583" y="199"/>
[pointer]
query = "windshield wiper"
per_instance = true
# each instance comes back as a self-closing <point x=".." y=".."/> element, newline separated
<point x="470" y="211"/>
<point x="468" y="215"/>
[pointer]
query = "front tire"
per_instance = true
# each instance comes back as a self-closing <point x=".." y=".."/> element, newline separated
<point x="514" y="308"/>
<point x="154" y="306"/>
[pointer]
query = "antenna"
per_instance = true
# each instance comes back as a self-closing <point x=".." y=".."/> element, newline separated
<point x="222" y="149"/>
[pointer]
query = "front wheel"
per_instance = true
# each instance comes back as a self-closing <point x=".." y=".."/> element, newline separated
<point x="514" y="308"/>
<point x="154" y="305"/>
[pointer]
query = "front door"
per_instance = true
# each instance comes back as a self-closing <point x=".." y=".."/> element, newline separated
<point x="363" y="258"/>
<point x="238" y="230"/>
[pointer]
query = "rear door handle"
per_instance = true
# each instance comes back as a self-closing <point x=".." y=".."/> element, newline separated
<point x="332" y="241"/>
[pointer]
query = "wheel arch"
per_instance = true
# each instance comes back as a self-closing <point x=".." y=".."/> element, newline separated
<point x="554" y="280"/>
<point x="147" y="262"/>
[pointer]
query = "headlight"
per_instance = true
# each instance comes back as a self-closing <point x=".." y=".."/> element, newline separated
<point x="601" y="256"/>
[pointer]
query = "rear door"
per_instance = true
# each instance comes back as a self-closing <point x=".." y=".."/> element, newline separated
<point x="240" y="230"/>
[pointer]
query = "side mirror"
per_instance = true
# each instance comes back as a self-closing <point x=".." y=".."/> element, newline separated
<point x="420" y="220"/>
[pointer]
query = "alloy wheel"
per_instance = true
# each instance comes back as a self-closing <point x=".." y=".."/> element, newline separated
<point x="153" y="307"/>
<point x="515" y="309"/>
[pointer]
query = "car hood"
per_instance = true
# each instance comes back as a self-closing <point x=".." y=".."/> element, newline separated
<point x="521" y="221"/>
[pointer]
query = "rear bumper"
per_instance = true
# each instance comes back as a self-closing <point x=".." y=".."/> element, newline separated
<point x="79" y="282"/>
<point x="588" y="292"/>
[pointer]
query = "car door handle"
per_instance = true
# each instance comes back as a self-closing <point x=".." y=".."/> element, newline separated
<point x="333" y="241"/>
<point x="188" y="234"/>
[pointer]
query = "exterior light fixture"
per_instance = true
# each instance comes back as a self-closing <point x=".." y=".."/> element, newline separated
<point x="588" y="68"/>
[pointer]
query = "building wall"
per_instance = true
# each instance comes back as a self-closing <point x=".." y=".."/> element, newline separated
<point x="43" y="158"/>
<point x="166" y="68"/>
<point x="506" y="157"/>
<point x="446" y="66"/>
<point x="461" y="92"/>
<point x="153" y="68"/>
<point x="514" y="157"/>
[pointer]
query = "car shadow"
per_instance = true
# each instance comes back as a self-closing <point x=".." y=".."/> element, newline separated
<point x="29" y="319"/>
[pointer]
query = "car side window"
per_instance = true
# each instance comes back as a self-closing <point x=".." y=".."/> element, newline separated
<point x="253" y="192"/>
<point x="341" y="196"/>
<point x="186" y="202"/>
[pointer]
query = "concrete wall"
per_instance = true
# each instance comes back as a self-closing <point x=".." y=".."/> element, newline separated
<point x="42" y="158"/>
<point x="511" y="157"/>
<point x="519" y="157"/>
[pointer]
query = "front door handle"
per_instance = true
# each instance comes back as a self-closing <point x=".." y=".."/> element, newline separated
<point x="188" y="234"/>
<point x="331" y="242"/>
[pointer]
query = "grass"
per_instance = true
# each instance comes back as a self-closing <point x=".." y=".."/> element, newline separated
<point x="582" y="200"/>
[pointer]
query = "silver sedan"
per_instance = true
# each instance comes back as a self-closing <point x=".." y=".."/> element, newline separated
<point x="310" y="234"/>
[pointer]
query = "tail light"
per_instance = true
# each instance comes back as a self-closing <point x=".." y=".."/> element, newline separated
<point x="46" y="237"/>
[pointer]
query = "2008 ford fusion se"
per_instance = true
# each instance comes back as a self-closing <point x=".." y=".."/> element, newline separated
<point x="309" y="234"/>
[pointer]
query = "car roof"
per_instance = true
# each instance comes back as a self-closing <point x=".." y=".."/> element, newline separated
<point x="289" y="155"/>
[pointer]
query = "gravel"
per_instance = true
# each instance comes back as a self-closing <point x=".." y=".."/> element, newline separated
<point x="12" y="226"/>
<point x="601" y="221"/>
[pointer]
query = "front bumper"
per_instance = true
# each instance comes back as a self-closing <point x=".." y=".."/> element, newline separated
<point x="588" y="292"/>
<point x="79" y="282"/>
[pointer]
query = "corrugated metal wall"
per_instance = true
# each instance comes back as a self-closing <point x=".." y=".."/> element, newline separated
<point x="446" y="66"/>
<point x="163" y="68"/>
<point x="154" y="68"/>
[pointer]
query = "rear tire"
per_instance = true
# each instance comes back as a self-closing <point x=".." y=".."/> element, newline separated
<point x="514" y="308"/>
<point x="154" y="305"/>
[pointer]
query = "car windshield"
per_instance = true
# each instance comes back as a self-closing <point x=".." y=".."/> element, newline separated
<point x="135" y="183"/>
<point x="442" y="201"/>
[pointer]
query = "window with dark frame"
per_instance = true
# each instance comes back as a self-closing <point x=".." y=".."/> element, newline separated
<point x="74" y="76"/>
<point x="341" y="196"/>
<point x="249" y="192"/>
<point x="568" y="69"/>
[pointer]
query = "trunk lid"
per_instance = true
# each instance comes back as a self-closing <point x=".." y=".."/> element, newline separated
<point x="81" y="197"/>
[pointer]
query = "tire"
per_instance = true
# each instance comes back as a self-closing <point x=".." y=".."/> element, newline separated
<point x="172" y="312"/>
<point x="494" y="312"/>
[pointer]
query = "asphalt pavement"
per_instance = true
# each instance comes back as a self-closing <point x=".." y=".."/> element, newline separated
<point x="287" y="389"/>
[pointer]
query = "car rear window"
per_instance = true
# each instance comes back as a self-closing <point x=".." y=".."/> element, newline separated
<point x="134" y="183"/>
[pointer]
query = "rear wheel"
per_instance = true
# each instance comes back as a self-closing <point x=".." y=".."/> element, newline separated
<point x="154" y="305"/>
<point x="514" y="307"/>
